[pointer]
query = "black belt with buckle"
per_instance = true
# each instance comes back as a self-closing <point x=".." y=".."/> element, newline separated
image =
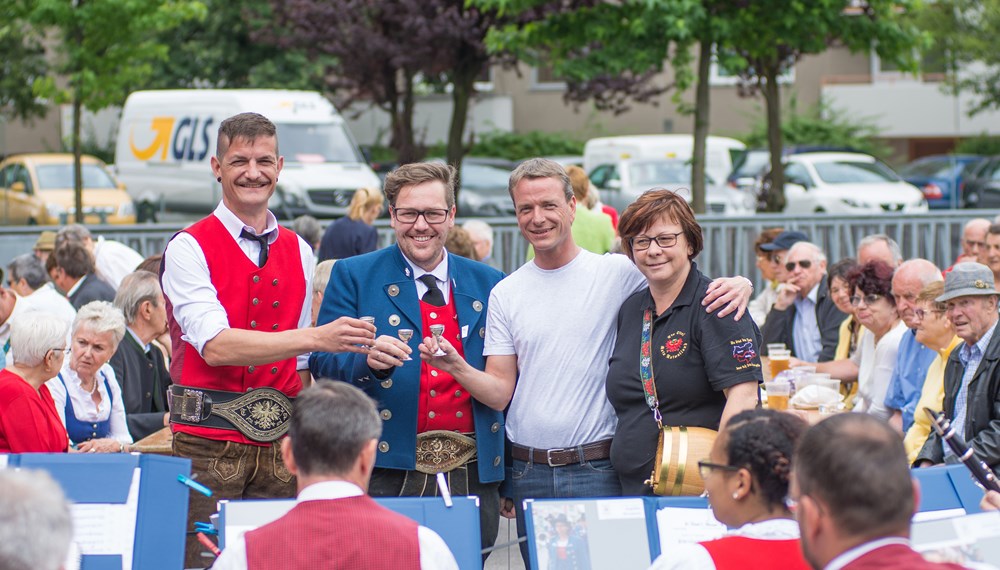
<point x="562" y="456"/>
<point x="261" y="414"/>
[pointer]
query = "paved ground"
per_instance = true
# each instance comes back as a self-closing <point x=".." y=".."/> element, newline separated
<point x="505" y="558"/>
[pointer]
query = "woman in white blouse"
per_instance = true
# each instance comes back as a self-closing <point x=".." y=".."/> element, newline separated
<point x="86" y="393"/>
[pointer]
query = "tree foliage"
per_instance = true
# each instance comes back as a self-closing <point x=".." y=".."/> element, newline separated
<point x="23" y="62"/>
<point x="821" y="125"/>
<point x="220" y="51"/>
<point x="767" y="37"/>
<point x="965" y="33"/>
<point x="103" y="49"/>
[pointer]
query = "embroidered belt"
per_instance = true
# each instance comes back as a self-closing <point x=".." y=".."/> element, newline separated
<point x="261" y="414"/>
<point x="440" y="451"/>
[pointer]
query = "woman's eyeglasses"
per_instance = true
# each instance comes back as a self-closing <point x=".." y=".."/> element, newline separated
<point x="869" y="299"/>
<point x="706" y="467"/>
<point x="920" y="313"/>
<point x="664" y="241"/>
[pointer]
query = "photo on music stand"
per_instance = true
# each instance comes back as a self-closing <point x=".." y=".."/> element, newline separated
<point x="561" y="536"/>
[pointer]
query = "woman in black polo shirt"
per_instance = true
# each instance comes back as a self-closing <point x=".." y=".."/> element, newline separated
<point x="691" y="368"/>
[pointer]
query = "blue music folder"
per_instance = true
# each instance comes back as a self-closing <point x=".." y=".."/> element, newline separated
<point x="947" y="487"/>
<point x="105" y="479"/>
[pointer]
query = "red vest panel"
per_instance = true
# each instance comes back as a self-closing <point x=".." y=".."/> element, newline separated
<point x="354" y="533"/>
<point x="897" y="557"/>
<point x="743" y="553"/>
<point x="444" y="403"/>
<point x="267" y="299"/>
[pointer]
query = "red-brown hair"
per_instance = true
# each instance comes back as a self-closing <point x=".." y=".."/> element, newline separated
<point x="649" y="208"/>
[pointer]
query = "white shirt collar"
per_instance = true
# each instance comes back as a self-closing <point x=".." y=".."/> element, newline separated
<point x="440" y="272"/>
<point x="774" y="529"/>
<point x="853" y="554"/>
<point x="145" y="347"/>
<point x="235" y="225"/>
<point x="325" y="490"/>
<point x="76" y="286"/>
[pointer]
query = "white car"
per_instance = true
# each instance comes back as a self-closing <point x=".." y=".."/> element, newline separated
<point x="621" y="183"/>
<point x="846" y="183"/>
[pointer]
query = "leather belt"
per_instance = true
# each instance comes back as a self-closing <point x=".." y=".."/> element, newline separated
<point x="562" y="456"/>
<point x="440" y="451"/>
<point x="261" y="414"/>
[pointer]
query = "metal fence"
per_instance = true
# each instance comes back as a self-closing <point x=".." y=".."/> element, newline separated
<point x="728" y="240"/>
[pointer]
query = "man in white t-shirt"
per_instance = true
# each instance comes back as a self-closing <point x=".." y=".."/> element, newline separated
<point x="550" y="331"/>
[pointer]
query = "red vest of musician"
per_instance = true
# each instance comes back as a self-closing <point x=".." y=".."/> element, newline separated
<point x="897" y="557"/>
<point x="347" y="534"/>
<point x="267" y="299"/>
<point x="444" y="404"/>
<point x="744" y="553"/>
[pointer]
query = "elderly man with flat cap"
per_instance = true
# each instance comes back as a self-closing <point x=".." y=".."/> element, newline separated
<point x="972" y="374"/>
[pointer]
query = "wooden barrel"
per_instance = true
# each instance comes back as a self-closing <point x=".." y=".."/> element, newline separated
<point x="675" y="471"/>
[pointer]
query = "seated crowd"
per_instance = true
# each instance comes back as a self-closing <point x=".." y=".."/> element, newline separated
<point x="562" y="379"/>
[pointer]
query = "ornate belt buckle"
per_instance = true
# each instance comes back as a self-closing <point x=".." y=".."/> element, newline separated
<point x="191" y="406"/>
<point x="262" y="414"/>
<point x="440" y="451"/>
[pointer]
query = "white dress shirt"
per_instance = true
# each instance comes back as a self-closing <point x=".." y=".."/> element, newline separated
<point x="83" y="404"/>
<point x="696" y="557"/>
<point x="188" y="284"/>
<point x="434" y="553"/>
<point x="114" y="260"/>
<point x="440" y="273"/>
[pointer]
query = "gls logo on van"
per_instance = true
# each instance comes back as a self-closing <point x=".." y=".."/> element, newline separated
<point x="190" y="140"/>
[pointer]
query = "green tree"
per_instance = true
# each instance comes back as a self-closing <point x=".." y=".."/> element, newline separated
<point x="767" y="37"/>
<point x="105" y="47"/>
<point x="822" y="125"/>
<point x="23" y="61"/>
<point x="964" y="32"/>
<point x="225" y="50"/>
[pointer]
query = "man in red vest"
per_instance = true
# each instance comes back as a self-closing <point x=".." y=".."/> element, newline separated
<point x="236" y="285"/>
<point x="853" y="496"/>
<point x="331" y="448"/>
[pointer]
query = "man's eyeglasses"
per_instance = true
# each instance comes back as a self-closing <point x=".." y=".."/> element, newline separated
<point x="974" y="244"/>
<point x="803" y="263"/>
<point x="920" y="313"/>
<point x="409" y="215"/>
<point x="869" y="299"/>
<point x="65" y="351"/>
<point x="664" y="241"/>
<point x="706" y="467"/>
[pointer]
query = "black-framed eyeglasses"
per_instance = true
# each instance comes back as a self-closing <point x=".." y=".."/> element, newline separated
<point x="869" y="299"/>
<point x="409" y="215"/>
<point x="664" y="241"/>
<point x="803" y="263"/>
<point x="706" y="467"/>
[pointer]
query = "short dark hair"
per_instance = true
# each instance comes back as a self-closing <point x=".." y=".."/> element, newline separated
<point x="417" y="173"/>
<point x="994" y="229"/>
<point x="74" y="259"/>
<point x="842" y="269"/>
<point x="28" y="267"/>
<point x="331" y="424"/>
<point x="763" y="441"/>
<point x="648" y="208"/>
<point x="246" y="126"/>
<point x="873" y="277"/>
<point x="856" y="464"/>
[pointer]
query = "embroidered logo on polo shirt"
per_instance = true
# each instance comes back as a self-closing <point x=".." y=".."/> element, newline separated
<point x="744" y="353"/>
<point x="675" y="345"/>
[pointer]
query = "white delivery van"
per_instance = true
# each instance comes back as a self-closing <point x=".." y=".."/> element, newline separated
<point x="167" y="138"/>
<point x="625" y="167"/>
